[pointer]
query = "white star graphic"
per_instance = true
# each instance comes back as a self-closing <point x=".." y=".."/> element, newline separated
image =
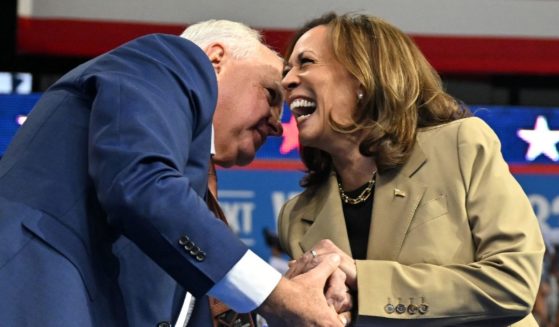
<point x="542" y="140"/>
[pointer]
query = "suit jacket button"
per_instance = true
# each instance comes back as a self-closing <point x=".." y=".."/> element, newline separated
<point x="400" y="308"/>
<point x="412" y="309"/>
<point x="195" y="250"/>
<point x="201" y="256"/>
<point x="423" y="308"/>
<point x="183" y="240"/>
<point x="389" y="308"/>
<point x="164" y="324"/>
<point x="189" y="245"/>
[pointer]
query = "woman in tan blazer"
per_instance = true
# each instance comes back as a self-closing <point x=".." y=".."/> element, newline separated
<point x="411" y="191"/>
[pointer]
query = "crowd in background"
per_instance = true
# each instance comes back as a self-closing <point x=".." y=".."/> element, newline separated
<point x="546" y="308"/>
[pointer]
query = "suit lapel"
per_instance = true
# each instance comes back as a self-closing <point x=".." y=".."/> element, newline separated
<point x="397" y="196"/>
<point x="327" y="218"/>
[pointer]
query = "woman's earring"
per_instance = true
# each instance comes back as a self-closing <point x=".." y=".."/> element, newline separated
<point x="359" y="96"/>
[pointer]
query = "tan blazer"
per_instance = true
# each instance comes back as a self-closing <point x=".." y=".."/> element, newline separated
<point x="452" y="234"/>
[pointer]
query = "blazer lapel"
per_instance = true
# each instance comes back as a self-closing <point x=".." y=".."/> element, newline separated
<point x="327" y="218"/>
<point x="397" y="196"/>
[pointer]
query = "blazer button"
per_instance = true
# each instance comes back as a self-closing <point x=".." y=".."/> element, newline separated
<point x="400" y="308"/>
<point x="201" y="256"/>
<point x="389" y="308"/>
<point x="183" y="240"/>
<point x="423" y="308"/>
<point x="164" y="324"/>
<point x="195" y="250"/>
<point x="189" y="245"/>
<point x="412" y="309"/>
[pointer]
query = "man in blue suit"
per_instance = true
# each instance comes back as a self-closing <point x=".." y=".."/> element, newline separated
<point x="102" y="190"/>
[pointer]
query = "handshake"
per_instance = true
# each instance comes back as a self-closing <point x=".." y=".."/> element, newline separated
<point x="317" y="290"/>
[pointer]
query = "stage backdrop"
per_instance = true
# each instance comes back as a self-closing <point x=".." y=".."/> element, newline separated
<point x="457" y="36"/>
<point x="252" y="196"/>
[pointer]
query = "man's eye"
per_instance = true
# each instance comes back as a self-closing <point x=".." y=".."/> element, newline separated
<point x="285" y="71"/>
<point x="272" y="96"/>
<point x="304" y="61"/>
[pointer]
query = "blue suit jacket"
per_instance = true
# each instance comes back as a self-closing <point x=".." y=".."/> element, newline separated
<point x="100" y="185"/>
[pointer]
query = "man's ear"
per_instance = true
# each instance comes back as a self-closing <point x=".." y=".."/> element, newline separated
<point x="216" y="53"/>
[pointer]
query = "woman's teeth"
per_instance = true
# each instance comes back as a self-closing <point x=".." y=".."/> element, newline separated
<point x="302" y="108"/>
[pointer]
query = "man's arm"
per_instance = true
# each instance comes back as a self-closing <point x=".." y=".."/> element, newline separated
<point x="149" y="139"/>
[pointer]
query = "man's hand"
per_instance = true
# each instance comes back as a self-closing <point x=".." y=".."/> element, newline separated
<point x="341" y="285"/>
<point x="300" y="301"/>
<point x="338" y="295"/>
<point x="321" y="250"/>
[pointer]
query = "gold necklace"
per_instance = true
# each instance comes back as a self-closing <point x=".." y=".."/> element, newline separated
<point x="365" y="194"/>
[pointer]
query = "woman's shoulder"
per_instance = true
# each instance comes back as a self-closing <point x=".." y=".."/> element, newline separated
<point x="470" y="129"/>
<point x="466" y="133"/>
<point x="468" y="122"/>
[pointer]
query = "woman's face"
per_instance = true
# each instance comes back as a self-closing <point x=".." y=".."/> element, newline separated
<point x="317" y="85"/>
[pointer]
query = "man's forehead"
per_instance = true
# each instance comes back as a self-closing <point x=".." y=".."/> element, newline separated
<point x="272" y="71"/>
<point x="270" y="57"/>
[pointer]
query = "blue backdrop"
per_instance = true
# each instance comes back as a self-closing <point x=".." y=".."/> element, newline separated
<point x="251" y="198"/>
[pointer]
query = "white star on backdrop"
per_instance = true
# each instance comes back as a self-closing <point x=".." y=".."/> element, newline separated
<point x="542" y="140"/>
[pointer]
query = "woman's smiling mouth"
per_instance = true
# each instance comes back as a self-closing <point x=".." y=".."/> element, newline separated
<point x="302" y="108"/>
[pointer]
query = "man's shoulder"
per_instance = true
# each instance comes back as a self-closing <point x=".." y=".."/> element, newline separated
<point x="159" y="38"/>
<point x="154" y="44"/>
<point x="156" y="57"/>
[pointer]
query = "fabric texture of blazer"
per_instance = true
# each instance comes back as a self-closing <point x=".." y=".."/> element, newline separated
<point x="102" y="187"/>
<point x="451" y="231"/>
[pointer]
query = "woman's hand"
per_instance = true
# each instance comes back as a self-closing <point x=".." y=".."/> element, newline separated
<point x="341" y="284"/>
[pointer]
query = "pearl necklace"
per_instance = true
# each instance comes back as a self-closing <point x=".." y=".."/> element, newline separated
<point x="365" y="194"/>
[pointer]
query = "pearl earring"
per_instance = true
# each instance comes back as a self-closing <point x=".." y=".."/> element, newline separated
<point x="359" y="96"/>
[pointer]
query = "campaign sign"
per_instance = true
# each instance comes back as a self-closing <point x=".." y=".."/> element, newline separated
<point x="252" y="199"/>
<point x="543" y="192"/>
<point x="528" y="135"/>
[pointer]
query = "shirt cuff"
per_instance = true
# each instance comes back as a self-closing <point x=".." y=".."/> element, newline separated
<point x="247" y="284"/>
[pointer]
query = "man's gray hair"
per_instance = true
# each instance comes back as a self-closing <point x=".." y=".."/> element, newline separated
<point x="240" y="39"/>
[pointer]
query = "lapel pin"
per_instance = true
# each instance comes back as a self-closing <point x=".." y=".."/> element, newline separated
<point x="398" y="192"/>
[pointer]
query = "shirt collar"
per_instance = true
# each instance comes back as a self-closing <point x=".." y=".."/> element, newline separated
<point x="212" y="148"/>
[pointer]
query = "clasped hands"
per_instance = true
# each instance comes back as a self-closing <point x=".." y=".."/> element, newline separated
<point x="341" y="286"/>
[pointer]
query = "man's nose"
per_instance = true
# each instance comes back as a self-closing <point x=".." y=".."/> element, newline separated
<point x="274" y="120"/>
<point x="275" y="127"/>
